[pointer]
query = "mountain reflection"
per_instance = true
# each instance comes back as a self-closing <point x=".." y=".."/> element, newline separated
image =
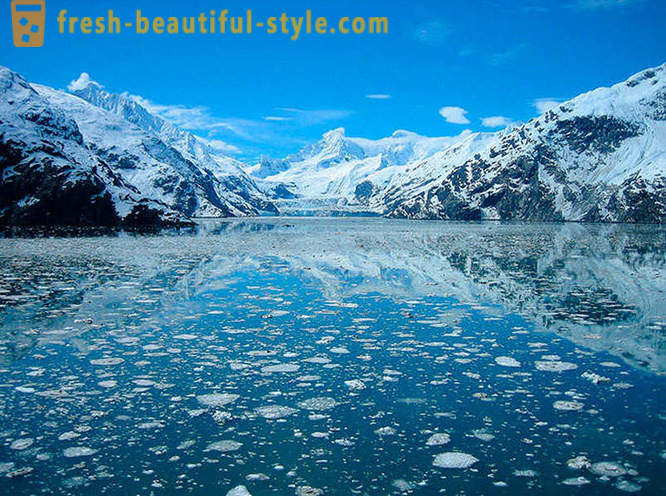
<point x="600" y="286"/>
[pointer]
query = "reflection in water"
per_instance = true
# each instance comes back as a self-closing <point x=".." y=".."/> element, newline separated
<point x="347" y="356"/>
<point x="601" y="286"/>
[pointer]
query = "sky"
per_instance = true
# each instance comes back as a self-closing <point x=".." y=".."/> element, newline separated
<point x="444" y="67"/>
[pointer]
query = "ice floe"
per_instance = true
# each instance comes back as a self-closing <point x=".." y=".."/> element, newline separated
<point x="275" y="411"/>
<point x="224" y="446"/>
<point x="454" y="459"/>
<point x="506" y="361"/>
<point x="78" y="451"/>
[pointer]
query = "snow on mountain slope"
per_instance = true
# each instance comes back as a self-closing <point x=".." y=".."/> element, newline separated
<point x="342" y="169"/>
<point x="598" y="157"/>
<point x="49" y="176"/>
<point x="223" y="177"/>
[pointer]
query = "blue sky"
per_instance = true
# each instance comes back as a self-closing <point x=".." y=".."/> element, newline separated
<point x="444" y="67"/>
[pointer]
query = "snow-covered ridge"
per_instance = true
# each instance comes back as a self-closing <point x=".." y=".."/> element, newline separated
<point x="119" y="156"/>
<point x="598" y="157"/>
<point x="49" y="175"/>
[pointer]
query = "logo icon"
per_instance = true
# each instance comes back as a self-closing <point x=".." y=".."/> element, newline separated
<point x="28" y="22"/>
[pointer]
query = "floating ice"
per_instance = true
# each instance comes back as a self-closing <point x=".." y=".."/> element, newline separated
<point x="594" y="378"/>
<point x="66" y="436"/>
<point x="256" y="477"/>
<point x="608" y="469"/>
<point x="525" y="473"/>
<point x="78" y="451"/>
<point x="186" y="337"/>
<point x="322" y="403"/>
<point x="483" y="435"/>
<point x="628" y="486"/>
<point x="568" y="405"/>
<point x="578" y="463"/>
<point x="506" y="361"/>
<point x="555" y="366"/>
<point x="355" y="384"/>
<point x="224" y="446"/>
<point x="221" y="417"/>
<point x="217" y="399"/>
<point x="21" y="444"/>
<point x="385" y="431"/>
<point x="403" y="485"/>
<point x="438" y="439"/>
<point x="281" y="367"/>
<point x="108" y="384"/>
<point x="575" y="481"/>
<point x="239" y="491"/>
<point x="454" y="459"/>
<point x="275" y="411"/>
<point x="308" y="491"/>
<point x="107" y="361"/>
<point x="340" y="350"/>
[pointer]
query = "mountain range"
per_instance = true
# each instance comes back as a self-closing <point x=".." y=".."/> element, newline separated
<point x="88" y="156"/>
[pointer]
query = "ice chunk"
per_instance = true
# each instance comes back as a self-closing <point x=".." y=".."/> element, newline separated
<point x="21" y="444"/>
<point x="578" y="463"/>
<point x="217" y="399"/>
<point x="506" y="361"/>
<point x="107" y="361"/>
<point x="453" y="459"/>
<point x="575" y="481"/>
<point x="568" y="405"/>
<point x="385" y="431"/>
<point x="322" y="403"/>
<point x="239" y="491"/>
<point x="438" y="439"/>
<point x="355" y="385"/>
<point x="280" y="367"/>
<point x="608" y="469"/>
<point x="224" y="446"/>
<point x="275" y="411"/>
<point x="308" y="491"/>
<point x="78" y="451"/>
<point x="555" y="366"/>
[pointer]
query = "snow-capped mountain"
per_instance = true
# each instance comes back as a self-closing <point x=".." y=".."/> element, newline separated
<point x="600" y="157"/>
<point x="339" y="169"/>
<point x="49" y="176"/>
<point x="227" y="189"/>
<point x="121" y="149"/>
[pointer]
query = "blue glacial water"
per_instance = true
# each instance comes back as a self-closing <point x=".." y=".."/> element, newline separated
<point x="334" y="357"/>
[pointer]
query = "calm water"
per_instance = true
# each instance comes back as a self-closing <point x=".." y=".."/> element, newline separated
<point x="335" y="357"/>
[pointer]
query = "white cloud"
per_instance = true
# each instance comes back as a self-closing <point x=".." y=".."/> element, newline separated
<point x="506" y="56"/>
<point x="543" y="105"/>
<point x="454" y="115"/>
<point x="221" y="146"/>
<point x="313" y="117"/>
<point x="496" y="121"/>
<point x="276" y="118"/>
<point x="82" y="82"/>
<point x="602" y="4"/>
<point x="378" y="96"/>
<point x="432" y="32"/>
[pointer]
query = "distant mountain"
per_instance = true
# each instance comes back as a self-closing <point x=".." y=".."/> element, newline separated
<point x="339" y="172"/>
<point x="600" y="157"/>
<point x="50" y="176"/>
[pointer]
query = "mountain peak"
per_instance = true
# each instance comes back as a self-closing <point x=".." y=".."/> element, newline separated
<point x="403" y="133"/>
<point x="338" y="132"/>
<point x="82" y="82"/>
